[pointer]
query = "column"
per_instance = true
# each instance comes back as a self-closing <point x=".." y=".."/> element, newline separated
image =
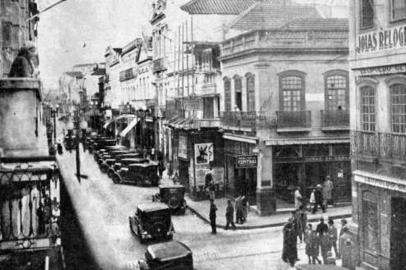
<point x="266" y="201"/>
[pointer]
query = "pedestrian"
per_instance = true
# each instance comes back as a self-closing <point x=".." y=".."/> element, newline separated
<point x="302" y="222"/>
<point x="239" y="210"/>
<point x="343" y="225"/>
<point x="343" y="229"/>
<point x="332" y="233"/>
<point x="312" y="200"/>
<point x="245" y="207"/>
<point x="345" y="248"/>
<point x="328" y="191"/>
<point x="298" y="198"/>
<point x="23" y="65"/>
<point x="230" y="215"/>
<point x="59" y="148"/>
<point x="325" y="246"/>
<point x="312" y="245"/>
<point x="296" y="225"/>
<point x="212" y="216"/>
<point x="212" y="190"/>
<point x="289" y="251"/>
<point x="322" y="227"/>
<point x="318" y="195"/>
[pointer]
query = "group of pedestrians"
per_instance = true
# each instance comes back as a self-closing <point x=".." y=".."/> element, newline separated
<point x="241" y="211"/>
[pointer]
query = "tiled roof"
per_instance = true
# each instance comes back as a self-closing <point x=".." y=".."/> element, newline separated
<point x="272" y="15"/>
<point x="320" y="24"/>
<point x="224" y="7"/>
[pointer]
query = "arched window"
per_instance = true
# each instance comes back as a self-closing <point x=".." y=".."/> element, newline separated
<point x="238" y="92"/>
<point x="227" y="94"/>
<point x="292" y="91"/>
<point x="250" y="92"/>
<point x="336" y="87"/>
<point x="368" y="117"/>
<point x="398" y="107"/>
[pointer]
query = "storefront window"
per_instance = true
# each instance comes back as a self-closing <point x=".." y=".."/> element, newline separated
<point x="337" y="91"/>
<point x="238" y="92"/>
<point x="367" y="13"/>
<point x="398" y="108"/>
<point x="398" y="9"/>
<point x="227" y="94"/>
<point x="368" y="108"/>
<point x="250" y="92"/>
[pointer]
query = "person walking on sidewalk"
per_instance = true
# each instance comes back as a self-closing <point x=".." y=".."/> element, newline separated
<point x="230" y="215"/>
<point x="322" y="227"/>
<point x="212" y="215"/>
<point x="301" y="217"/>
<point x="289" y="251"/>
<point x="298" y="198"/>
<point x="245" y="207"/>
<point x="332" y="233"/>
<point x="328" y="191"/>
<point x="319" y="199"/>
<point x="312" y="245"/>
<point x="239" y="210"/>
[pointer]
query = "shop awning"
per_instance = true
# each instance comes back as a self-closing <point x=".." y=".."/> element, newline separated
<point x="240" y="138"/>
<point x="108" y="123"/>
<point x="297" y="141"/>
<point x="130" y="126"/>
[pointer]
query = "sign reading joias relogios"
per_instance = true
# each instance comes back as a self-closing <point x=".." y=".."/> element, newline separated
<point x="391" y="38"/>
<point x="246" y="162"/>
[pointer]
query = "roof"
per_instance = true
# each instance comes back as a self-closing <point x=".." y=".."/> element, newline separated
<point x="272" y="15"/>
<point x="168" y="250"/>
<point x="171" y="186"/>
<point x="320" y="24"/>
<point x="223" y="7"/>
<point x="145" y="165"/>
<point x="151" y="207"/>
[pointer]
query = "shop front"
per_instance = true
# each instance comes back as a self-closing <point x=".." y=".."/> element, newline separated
<point x="306" y="166"/>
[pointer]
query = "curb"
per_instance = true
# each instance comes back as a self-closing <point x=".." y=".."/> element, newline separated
<point x="278" y="224"/>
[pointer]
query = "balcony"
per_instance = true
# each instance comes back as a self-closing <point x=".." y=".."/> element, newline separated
<point x="335" y="120"/>
<point x="379" y="146"/>
<point x="293" y="121"/>
<point x="158" y="65"/>
<point x="240" y="120"/>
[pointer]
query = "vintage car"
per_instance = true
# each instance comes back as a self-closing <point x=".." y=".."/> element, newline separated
<point x="104" y="153"/>
<point x="173" y="196"/>
<point x="140" y="174"/>
<point x="172" y="255"/>
<point x="108" y="159"/>
<point x="152" y="221"/>
<point x="70" y="142"/>
<point x="103" y="142"/>
<point x="123" y="162"/>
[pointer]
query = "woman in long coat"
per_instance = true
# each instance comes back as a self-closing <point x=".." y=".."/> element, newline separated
<point x="289" y="252"/>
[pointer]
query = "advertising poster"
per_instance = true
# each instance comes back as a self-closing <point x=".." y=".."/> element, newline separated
<point x="204" y="153"/>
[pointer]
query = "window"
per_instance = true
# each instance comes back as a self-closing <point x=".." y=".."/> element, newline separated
<point x="398" y="9"/>
<point x="250" y="92"/>
<point x="368" y="108"/>
<point x="292" y="93"/>
<point x="238" y="92"/>
<point x="398" y="108"/>
<point x="227" y="95"/>
<point x="336" y="92"/>
<point x="367" y="13"/>
<point x="208" y="108"/>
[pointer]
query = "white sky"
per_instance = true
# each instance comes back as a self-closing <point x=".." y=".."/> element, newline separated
<point x="63" y="29"/>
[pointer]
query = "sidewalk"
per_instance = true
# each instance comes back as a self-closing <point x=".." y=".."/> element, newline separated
<point x="254" y="221"/>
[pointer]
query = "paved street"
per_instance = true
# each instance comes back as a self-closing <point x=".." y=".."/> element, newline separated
<point x="104" y="207"/>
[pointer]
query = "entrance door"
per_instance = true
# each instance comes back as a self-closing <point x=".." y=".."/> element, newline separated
<point x="398" y="234"/>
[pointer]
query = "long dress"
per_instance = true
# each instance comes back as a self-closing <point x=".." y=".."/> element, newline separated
<point x="289" y="252"/>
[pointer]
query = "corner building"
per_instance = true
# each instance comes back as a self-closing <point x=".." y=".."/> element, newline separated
<point x="378" y="124"/>
<point x="285" y="104"/>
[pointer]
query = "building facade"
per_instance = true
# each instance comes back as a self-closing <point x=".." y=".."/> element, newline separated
<point x="378" y="124"/>
<point x="285" y="106"/>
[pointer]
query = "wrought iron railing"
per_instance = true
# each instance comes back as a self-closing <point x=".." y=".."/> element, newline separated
<point x="29" y="203"/>
<point x="293" y="119"/>
<point x="335" y="118"/>
<point x="239" y="119"/>
<point x="379" y="145"/>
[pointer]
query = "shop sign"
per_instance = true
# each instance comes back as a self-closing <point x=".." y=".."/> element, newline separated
<point x="246" y="162"/>
<point x="381" y="70"/>
<point x="391" y="38"/>
<point x="204" y="153"/>
<point x="182" y="148"/>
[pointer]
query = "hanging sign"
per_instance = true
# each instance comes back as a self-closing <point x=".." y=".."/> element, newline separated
<point x="246" y="162"/>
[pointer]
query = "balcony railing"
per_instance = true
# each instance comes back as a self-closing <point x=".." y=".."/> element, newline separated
<point x="379" y="145"/>
<point x="291" y="121"/>
<point x="335" y="119"/>
<point x="239" y="119"/>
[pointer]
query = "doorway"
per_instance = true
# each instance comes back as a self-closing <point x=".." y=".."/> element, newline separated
<point x="398" y="234"/>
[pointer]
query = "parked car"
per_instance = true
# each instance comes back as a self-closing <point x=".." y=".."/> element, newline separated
<point x="69" y="142"/>
<point x="173" y="196"/>
<point x="103" y="142"/>
<point x="152" y="221"/>
<point x="123" y="162"/>
<point x="172" y="255"/>
<point x="140" y="174"/>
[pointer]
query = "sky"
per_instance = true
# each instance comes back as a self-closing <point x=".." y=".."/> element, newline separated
<point x="64" y="29"/>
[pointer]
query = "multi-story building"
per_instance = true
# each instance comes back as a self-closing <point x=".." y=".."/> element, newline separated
<point x="285" y="104"/>
<point x="112" y="87"/>
<point x="16" y="30"/>
<point x="378" y="124"/>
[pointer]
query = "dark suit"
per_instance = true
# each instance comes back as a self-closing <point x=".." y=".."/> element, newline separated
<point x="212" y="215"/>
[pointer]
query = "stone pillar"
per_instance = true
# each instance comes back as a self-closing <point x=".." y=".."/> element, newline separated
<point x="266" y="201"/>
<point x="22" y="131"/>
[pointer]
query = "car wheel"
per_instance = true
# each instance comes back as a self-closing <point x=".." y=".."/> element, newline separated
<point x="110" y="174"/>
<point x="103" y="168"/>
<point x="116" y="179"/>
<point x="173" y="202"/>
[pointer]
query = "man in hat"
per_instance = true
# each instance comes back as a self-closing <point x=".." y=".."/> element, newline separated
<point x="319" y="199"/>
